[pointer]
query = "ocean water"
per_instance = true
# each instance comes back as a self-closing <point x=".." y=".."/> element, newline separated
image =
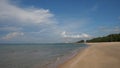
<point x="36" y="55"/>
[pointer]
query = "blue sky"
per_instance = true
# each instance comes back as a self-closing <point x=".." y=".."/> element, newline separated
<point x="53" y="21"/>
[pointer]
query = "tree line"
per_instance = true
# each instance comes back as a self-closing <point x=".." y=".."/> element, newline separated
<point x="108" y="38"/>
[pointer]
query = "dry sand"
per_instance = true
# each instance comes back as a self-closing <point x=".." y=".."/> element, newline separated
<point x="98" y="55"/>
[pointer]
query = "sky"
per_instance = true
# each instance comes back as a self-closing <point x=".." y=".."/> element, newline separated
<point x="54" y="21"/>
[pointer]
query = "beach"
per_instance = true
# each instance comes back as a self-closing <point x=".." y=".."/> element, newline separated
<point x="97" y="55"/>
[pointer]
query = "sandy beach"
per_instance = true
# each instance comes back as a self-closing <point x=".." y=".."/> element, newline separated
<point x="97" y="55"/>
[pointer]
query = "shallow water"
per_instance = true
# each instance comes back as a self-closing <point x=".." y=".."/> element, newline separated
<point x="36" y="55"/>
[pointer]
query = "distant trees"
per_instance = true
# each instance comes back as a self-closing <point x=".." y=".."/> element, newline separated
<point x="108" y="38"/>
<point x="81" y="41"/>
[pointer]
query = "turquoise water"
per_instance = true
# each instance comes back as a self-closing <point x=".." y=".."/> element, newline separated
<point x="36" y="55"/>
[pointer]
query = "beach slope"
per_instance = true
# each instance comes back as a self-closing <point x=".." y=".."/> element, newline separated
<point x="97" y="55"/>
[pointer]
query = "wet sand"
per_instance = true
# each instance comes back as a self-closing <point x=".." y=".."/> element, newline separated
<point x="97" y="55"/>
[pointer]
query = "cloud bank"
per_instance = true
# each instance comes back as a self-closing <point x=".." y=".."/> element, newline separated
<point x="83" y="35"/>
<point x="33" y="24"/>
<point x="27" y="22"/>
<point x="26" y="15"/>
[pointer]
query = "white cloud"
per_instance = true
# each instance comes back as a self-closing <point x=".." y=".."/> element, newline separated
<point x="26" y="15"/>
<point x="83" y="35"/>
<point x="13" y="35"/>
<point x="36" y="24"/>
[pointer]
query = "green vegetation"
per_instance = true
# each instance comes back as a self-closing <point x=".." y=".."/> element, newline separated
<point x="81" y="41"/>
<point x="108" y="38"/>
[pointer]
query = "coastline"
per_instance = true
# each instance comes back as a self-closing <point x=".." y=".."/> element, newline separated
<point x="61" y="60"/>
<point x="97" y="55"/>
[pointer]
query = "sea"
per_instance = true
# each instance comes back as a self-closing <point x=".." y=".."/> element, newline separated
<point x="37" y="55"/>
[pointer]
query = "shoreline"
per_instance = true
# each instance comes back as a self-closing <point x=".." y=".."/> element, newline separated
<point x="97" y="55"/>
<point x="68" y="57"/>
